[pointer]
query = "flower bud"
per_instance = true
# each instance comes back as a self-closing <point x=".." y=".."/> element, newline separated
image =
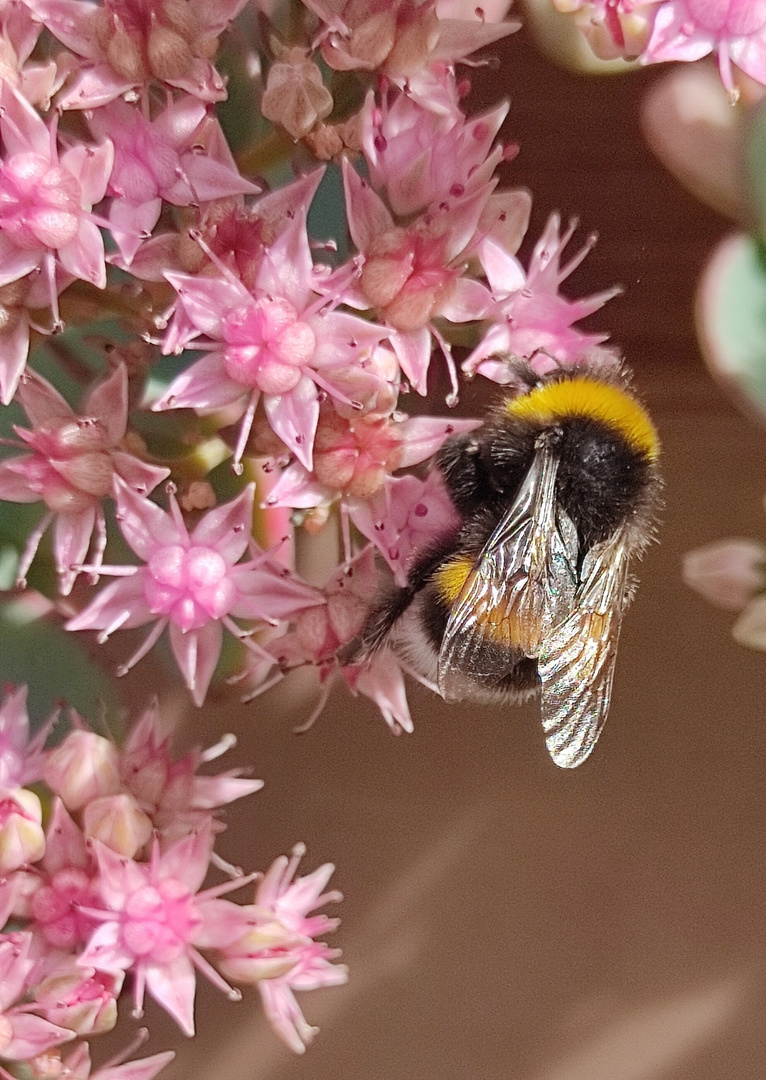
<point x="261" y="953"/>
<point x="727" y="573"/>
<point x="81" y="999"/>
<point x="118" y="822"/>
<point x="22" y="839"/>
<point x="84" y="767"/>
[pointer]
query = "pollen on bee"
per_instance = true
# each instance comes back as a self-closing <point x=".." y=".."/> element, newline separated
<point x="450" y="578"/>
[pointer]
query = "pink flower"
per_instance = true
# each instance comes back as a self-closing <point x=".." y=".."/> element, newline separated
<point x="22" y="1035"/>
<point x="280" y="940"/>
<point x="531" y="318"/>
<point x="67" y="883"/>
<point x="283" y="342"/>
<point x="180" y="157"/>
<point x="410" y="275"/>
<point x="355" y="457"/>
<point x="417" y="157"/>
<point x="127" y="43"/>
<point x="168" y="788"/>
<point x="46" y="225"/>
<point x="319" y="634"/>
<point x="19" y="33"/>
<point x="613" y="27"/>
<point x="399" y="38"/>
<point x="405" y="517"/>
<point x="192" y="583"/>
<point x="690" y="29"/>
<point x="152" y="919"/>
<point x="76" y="1066"/>
<point x="21" y="758"/>
<point x="71" y="468"/>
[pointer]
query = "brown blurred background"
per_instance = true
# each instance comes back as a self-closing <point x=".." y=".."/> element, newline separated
<point x="504" y="920"/>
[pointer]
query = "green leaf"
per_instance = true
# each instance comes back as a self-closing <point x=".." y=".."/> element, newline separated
<point x="731" y="320"/>
<point x="52" y="662"/>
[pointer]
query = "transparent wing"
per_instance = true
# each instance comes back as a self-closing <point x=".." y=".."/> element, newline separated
<point x="523" y="583"/>
<point x="576" y="664"/>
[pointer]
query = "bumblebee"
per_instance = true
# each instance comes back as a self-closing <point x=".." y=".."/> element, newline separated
<point x="555" y="494"/>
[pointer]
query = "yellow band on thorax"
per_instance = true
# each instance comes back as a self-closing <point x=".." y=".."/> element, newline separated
<point x="591" y="399"/>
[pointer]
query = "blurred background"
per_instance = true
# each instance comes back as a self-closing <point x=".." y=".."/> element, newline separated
<point x="504" y="919"/>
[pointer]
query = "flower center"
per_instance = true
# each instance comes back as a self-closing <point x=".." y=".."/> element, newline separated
<point x="734" y="18"/>
<point x="158" y="921"/>
<point x="267" y="345"/>
<point x="40" y="203"/>
<point x="190" y="585"/>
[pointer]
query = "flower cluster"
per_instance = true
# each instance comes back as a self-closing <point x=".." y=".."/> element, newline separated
<point x="654" y="31"/>
<point x="111" y="886"/>
<point x="218" y="376"/>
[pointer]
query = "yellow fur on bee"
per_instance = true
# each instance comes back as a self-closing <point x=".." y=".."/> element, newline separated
<point x="450" y="578"/>
<point x="591" y="399"/>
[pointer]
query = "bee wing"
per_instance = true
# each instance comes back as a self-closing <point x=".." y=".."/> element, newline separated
<point x="576" y="664"/>
<point x="523" y="582"/>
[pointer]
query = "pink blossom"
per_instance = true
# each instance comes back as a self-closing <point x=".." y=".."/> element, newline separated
<point x="418" y="157"/>
<point x="410" y="275"/>
<point x="318" y="636"/>
<point x="21" y="758"/>
<point x="76" y="1066"/>
<point x="281" y="939"/>
<point x="531" y="319"/>
<point x="405" y="517"/>
<point x="613" y="27"/>
<point x="19" y="32"/>
<point x="126" y="43"/>
<point x="180" y="157"/>
<point x="283" y="342"/>
<point x="192" y="583"/>
<point x="399" y="38"/>
<point x="733" y="29"/>
<point x="354" y="459"/>
<point x="237" y="236"/>
<point x="152" y="919"/>
<point x="66" y="884"/>
<point x="168" y="787"/>
<point x="22" y="1035"/>
<point x="73" y="461"/>
<point x="45" y="210"/>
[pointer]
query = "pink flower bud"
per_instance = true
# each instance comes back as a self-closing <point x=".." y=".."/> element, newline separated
<point x="22" y="839"/>
<point x="266" y="950"/>
<point x="727" y="573"/>
<point x="83" y="1000"/>
<point x="84" y="767"/>
<point x="118" y="822"/>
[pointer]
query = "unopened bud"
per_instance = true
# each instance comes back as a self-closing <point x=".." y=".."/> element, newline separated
<point x="295" y="95"/>
<point x="373" y="39"/>
<point x="22" y="839"/>
<point x="83" y="768"/>
<point x="124" y="54"/>
<point x="118" y="822"/>
<point x="169" y="53"/>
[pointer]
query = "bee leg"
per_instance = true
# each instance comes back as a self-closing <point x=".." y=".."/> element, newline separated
<point x="393" y="604"/>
